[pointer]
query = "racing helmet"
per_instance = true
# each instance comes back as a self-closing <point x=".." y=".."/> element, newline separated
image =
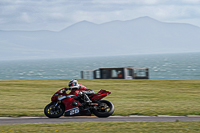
<point x="73" y="83"/>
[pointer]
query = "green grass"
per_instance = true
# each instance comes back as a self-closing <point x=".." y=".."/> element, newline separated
<point x="143" y="97"/>
<point x="110" y="127"/>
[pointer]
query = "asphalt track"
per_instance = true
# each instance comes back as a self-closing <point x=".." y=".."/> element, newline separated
<point x="26" y="120"/>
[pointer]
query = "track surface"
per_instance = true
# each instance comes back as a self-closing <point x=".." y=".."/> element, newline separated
<point x="25" y="120"/>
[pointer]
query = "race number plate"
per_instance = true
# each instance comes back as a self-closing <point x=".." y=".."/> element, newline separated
<point x="73" y="111"/>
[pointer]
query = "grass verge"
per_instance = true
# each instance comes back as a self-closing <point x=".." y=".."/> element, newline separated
<point x="141" y="97"/>
<point x="111" y="127"/>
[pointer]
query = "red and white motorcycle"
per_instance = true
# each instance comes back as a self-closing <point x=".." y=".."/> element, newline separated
<point x="73" y="104"/>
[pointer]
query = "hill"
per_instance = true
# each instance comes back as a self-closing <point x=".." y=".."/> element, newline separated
<point x="143" y="35"/>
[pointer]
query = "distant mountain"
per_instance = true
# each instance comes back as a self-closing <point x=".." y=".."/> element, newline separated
<point x="138" y="36"/>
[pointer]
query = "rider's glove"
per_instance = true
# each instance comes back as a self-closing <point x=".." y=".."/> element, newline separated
<point x="66" y="89"/>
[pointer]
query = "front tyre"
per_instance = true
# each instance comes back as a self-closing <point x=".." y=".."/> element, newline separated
<point x="53" y="111"/>
<point x="104" y="109"/>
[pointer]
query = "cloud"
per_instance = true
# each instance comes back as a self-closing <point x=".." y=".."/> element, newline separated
<point x="56" y="15"/>
<point x="141" y="2"/>
<point x="191" y="1"/>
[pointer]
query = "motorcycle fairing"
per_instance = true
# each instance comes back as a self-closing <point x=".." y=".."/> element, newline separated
<point x="69" y="102"/>
<point x="73" y="111"/>
<point x="77" y="112"/>
<point x="99" y="95"/>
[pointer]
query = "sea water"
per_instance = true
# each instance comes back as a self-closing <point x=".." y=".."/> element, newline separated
<point x="161" y="66"/>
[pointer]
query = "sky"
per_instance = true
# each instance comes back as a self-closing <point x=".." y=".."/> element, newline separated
<point x="55" y="15"/>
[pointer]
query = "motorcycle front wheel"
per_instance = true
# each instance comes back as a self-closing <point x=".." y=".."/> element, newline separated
<point x="53" y="111"/>
<point x="104" y="109"/>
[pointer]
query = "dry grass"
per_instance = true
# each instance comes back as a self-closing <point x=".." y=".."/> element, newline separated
<point x="145" y="97"/>
<point x="109" y="127"/>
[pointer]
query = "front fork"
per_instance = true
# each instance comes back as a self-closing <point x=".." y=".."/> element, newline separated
<point x="59" y="101"/>
<point x="57" y="105"/>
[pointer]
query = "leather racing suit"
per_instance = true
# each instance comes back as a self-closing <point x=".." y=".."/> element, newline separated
<point x="81" y="90"/>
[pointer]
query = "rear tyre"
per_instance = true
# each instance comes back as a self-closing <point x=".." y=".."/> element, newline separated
<point x="105" y="109"/>
<point x="53" y="111"/>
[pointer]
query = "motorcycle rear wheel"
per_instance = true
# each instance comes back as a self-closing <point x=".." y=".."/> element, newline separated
<point x="105" y="109"/>
<point x="52" y="111"/>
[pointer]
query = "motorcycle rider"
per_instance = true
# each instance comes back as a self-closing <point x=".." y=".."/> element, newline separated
<point x="80" y="90"/>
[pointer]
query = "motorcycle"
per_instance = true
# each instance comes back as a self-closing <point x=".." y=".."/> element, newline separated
<point x="73" y="104"/>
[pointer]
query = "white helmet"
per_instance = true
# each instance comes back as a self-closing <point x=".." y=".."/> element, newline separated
<point x="73" y="83"/>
